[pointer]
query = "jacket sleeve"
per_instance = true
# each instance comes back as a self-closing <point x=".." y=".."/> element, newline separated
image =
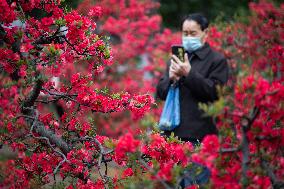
<point x="203" y="88"/>
<point x="163" y="85"/>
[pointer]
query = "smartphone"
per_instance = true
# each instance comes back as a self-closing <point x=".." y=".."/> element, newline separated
<point x="179" y="51"/>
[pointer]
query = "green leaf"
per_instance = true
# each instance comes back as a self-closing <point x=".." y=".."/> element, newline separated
<point x="60" y="22"/>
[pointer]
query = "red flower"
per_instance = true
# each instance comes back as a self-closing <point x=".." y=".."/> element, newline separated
<point x="127" y="173"/>
<point x="165" y="171"/>
<point x="96" y="11"/>
<point x="210" y="144"/>
<point x="126" y="144"/>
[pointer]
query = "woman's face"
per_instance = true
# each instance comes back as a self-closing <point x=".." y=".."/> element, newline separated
<point x="191" y="28"/>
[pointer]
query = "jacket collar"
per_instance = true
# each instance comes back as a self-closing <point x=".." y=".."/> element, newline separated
<point x="203" y="51"/>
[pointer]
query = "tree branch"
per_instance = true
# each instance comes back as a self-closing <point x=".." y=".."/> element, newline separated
<point x="28" y="110"/>
<point x="38" y="127"/>
<point x="245" y="142"/>
<point x="29" y="102"/>
<point x="61" y="95"/>
<point x="72" y="46"/>
<point x="277" y="184"/>
<point x="245" y="152"/>
<point x="48" y="142"/>
<point x="227" y="150"/>
<point x="101" y="156"/>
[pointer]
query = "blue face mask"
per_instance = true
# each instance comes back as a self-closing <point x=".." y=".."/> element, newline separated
<point x="191" y="43"/>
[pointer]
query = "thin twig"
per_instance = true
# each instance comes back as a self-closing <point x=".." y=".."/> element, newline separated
<point x="72" y="46"/>
<point x="24" y="116"/>
<point x="226" y="150"/>
<point x="101" y="154"/>
<point x="61" y="95"/>
<point x="47" y="101"/>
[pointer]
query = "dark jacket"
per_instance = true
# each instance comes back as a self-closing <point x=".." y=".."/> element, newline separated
<point x="208" y="69"/>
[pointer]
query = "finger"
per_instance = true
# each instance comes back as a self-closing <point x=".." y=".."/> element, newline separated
<point x="172" y="68"/>
<point x="172" y="61"/>
<point x="173" y="71"/>
<point x="174" y="65"/>
<point x="186" y="57"/>
<point x="176" y="59"/>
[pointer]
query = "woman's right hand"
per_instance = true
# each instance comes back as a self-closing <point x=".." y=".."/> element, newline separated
<point x="172" y="74"/>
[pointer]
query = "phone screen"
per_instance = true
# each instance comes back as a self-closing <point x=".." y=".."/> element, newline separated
<point x="178" y="50"/>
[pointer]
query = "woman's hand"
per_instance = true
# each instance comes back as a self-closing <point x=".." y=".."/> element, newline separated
<point x="179" y="68"/>
<point x="172" y="75"/>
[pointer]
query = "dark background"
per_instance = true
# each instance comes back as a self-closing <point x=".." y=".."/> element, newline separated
<point x="173" y="11"/>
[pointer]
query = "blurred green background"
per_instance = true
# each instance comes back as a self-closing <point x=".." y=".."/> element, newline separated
<point x="172" y="11"/>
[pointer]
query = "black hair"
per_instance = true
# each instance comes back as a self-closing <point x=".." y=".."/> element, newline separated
<point x="199" y="18"/>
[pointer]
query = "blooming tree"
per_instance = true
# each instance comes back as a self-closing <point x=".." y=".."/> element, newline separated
<point x="250" y="113"/>
<point x="31" y="55"/>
